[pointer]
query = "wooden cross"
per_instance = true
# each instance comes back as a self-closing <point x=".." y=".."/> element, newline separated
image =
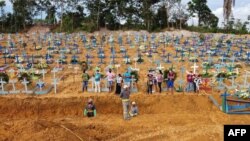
<point x="195" y="67"/>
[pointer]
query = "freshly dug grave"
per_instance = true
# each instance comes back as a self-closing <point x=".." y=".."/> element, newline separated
<point x="162" y="117"/>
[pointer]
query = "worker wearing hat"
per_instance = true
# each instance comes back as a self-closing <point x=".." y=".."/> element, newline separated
<point x="125" y="101"/>
<point x="134" y="110"/>
<point x="90" y="110"/>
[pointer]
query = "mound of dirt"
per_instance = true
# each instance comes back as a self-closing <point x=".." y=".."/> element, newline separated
<point x="171" y="117"/>
<point x="58" y="107"/>
<point x="39" y="29"/>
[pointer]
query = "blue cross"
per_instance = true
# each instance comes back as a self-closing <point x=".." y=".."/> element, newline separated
<point x="168" y="58"/>
<point x="182" y="55"/>
<point x="120" y="40"/>
<point x="17" y="59"/>
<point x="248" y="55"/>
<point x="202" y="53"/>
<point x="241" y="49"/>
<point x="101" y="60"/>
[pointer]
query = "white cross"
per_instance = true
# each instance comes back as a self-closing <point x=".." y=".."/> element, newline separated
<point x="237" y="71"/>
<point x="76" y="69"/>
<point x="136" y="69"/>
<point x="21" y="69"/>
<point x="13" y="84"/>
<point x="2" y="84"/>
<point x="117" y="67"/>
<point x="246" y="77"/>
<point x="55" y="82"/>
<point x="25" y="82"/>
<point x="43" y="71"/>
<point x="54" y="71"/>
<point x="160" y="67"/>
<point x="195" y="67"/>
<point x="57" y="63"/>
<point x="133" y="80"/>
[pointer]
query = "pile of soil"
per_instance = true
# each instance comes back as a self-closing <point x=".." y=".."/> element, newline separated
<point x="162" y="117"/>
<point x="39" y="29"/>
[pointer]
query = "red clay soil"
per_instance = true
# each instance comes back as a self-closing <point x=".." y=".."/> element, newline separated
<point x="162" y="117"/>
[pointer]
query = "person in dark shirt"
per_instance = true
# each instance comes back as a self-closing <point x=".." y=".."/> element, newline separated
<point x="85" y="79"/>
<point x="90" y="109"/>
<point x="171" y="76"/>
<point x="150" y="83"/>
<point x="190" y="82"/>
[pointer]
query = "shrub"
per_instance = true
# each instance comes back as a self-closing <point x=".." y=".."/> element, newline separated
<point x="25" y="75"/>
<point x="5" y="77"/>
<point x="136" y="75"/>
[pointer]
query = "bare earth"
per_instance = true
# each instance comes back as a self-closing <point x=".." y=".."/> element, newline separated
<point x="178" y="117"/>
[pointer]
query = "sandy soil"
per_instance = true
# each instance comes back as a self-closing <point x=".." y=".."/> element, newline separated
<point x="59" y="117"/>
<point x="162" y="117"/>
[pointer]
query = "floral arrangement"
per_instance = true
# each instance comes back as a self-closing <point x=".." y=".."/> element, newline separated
<point x="179" y="89"/>
<point x="193" y="59"/>
<point x="62" y="61"/>
<point x="242" y="94"/>
<point x="4" y="76"/>
<point x="136" y="75"/>
<point x="26" y="75"/>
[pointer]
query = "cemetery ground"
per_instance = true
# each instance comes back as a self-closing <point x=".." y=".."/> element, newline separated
<point x="180" y="117"/>
<point x="171" y="117"/>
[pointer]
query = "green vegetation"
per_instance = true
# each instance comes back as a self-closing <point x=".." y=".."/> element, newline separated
<point x="136" y="75"/>
<point x="4" y="77"/>
<point x="25" y="75"/>
<point x="91" y="15"/>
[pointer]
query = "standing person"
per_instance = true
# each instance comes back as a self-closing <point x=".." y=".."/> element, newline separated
<point x="90" y="109"/>
<point x="159" y="78"/>
<point x="118" y="84"/>
<point x="171" y="76"/>
<point x="127" y="78"/>
<point x="155" y="81"/>
<point x="110" y="77"/>
<point x="85" y="80"/>
<point x="193" y="78"/>
<point x="150" y="83"/>
<point x="125" y="102"/>
<point x="197" y="82"/>
<point x="190" y="84"/>
<point x="97" y="78"/>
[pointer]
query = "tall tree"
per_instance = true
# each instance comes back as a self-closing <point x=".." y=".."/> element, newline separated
<point x="2" y="5"/>
<point x="169" y="5"/>
<point x="24" y="11"/>
<point x="180" y="14"/>
<point x="95" y="9"/>
<point x="202" y="10"/>
<point x="227" y="9"/>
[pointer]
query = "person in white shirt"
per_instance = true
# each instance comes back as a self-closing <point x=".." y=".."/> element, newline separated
<point x="118" y="84"/>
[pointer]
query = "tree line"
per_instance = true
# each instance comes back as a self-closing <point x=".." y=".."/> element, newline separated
<point x="91" y="15"/>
